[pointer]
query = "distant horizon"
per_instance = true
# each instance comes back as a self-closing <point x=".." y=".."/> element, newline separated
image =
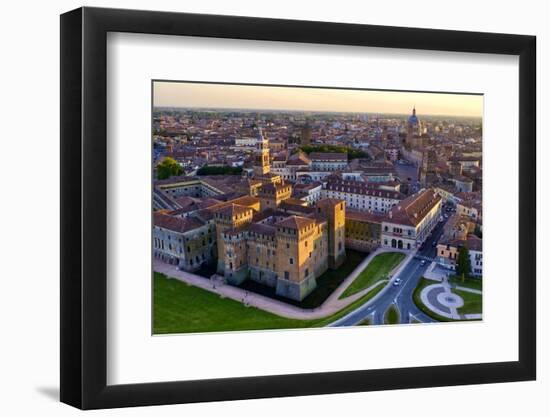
<point x="267" y="110"/>
<point x="254" y="98"/>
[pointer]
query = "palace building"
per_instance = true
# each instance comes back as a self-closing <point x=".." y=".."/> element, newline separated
<point x="411" y="221"/>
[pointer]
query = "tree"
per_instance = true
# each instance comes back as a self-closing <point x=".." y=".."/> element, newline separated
<point x="168" y="168"/>
<point x="463" y="264"/>
<point x="352" y="152"/>
<point x="219" y="170"/>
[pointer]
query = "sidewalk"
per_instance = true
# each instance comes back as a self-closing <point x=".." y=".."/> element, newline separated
<point x="331" y="305"/>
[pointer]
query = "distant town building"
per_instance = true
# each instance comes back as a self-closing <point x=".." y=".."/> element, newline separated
<point x="328" y="161"/>
<point x="361" y="196"/>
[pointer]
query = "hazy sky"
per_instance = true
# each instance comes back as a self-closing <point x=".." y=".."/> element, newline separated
<point x="179" y="94"/>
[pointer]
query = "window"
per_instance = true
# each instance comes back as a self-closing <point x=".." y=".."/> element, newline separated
<point x="287" y="275"/>
<point x="291" y="261"/>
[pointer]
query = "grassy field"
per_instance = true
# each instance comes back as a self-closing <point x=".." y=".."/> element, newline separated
<point x="326" y="283"/>
<point x="391" y="316"/>
<point x="473" y="303"/>
<point x="182" y="308"/>
<point x="423" y="283"/>
<point x="376" y="270"/>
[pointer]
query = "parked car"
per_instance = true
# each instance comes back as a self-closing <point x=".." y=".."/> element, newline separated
<point x="422" y="262"/>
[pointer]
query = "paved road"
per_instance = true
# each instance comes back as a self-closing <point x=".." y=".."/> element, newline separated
<point x="400" y="295"/>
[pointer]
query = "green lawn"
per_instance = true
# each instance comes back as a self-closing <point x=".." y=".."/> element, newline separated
<point x="423" y="283"/>
<point x="360" y="301"/>
<point x="473" y="283"/>
<point x="376" y="270"/>
<point x="473" y="303"/>
<point x="182" y="308"/>
<point x="392" y="315"/>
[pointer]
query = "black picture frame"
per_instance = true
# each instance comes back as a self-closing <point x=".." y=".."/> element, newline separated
<point x="84" y="207"/>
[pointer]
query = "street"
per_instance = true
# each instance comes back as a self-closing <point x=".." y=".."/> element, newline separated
<point x="401" y="296"/>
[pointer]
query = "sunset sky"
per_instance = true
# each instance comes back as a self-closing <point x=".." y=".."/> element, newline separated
<point x="184" y="94"/>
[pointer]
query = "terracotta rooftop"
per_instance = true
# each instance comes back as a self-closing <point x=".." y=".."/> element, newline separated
<point x="362" y="188"/>
<point x="176" y="224"/>
<point x="262" y="229"/>
<point x="232" y="209"/>
<point x="474" y="243"/>
<point x="365" y="216"/>
<point x="246" y="200"/>
<point x="295" y="208"/>
<point x="413" y="209"/>
<point x="328" y="156"/>
<point x="299" y="159"/>
<point x="328" y="202"/>
<point x="296" y="222"/>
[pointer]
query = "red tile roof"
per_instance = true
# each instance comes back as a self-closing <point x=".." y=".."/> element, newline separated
<point x="176" y="224"/>
<point x="296" y="222"/>
<point x="413" y="209"/>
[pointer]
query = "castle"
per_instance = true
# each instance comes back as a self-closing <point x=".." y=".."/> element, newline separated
<point x="265" y="236"/>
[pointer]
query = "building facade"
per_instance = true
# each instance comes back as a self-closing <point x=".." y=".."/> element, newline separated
<point x="411" y="221"/>
<point x="361" y="196"/>
<point x="328" y="161"/>
<point x="187" y="242"/>
<point x="363" y="230"/>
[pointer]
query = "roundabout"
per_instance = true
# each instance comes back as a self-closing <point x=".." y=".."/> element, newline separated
<point x="439" y="298"/>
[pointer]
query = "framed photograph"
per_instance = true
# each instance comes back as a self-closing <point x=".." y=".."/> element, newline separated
<point x="260" y="208"/>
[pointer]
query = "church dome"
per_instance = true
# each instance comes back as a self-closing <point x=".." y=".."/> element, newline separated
<point x="413" y="120"/>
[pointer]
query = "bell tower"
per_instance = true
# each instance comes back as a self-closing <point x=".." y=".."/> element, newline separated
<point x="261" y="159"/>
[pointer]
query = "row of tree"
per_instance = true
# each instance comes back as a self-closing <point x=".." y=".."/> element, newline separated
<point x="352" y="152"/>
<point x="169" y="167"/>
<point x="219" y="170"/>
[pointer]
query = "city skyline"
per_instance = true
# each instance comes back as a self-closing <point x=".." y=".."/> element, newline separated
<point x="280" y="98"/>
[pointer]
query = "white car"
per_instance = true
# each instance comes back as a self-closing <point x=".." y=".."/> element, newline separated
<point x="422" y="262"/>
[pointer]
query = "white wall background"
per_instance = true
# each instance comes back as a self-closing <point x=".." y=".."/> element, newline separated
<point x="29" y="219"/>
